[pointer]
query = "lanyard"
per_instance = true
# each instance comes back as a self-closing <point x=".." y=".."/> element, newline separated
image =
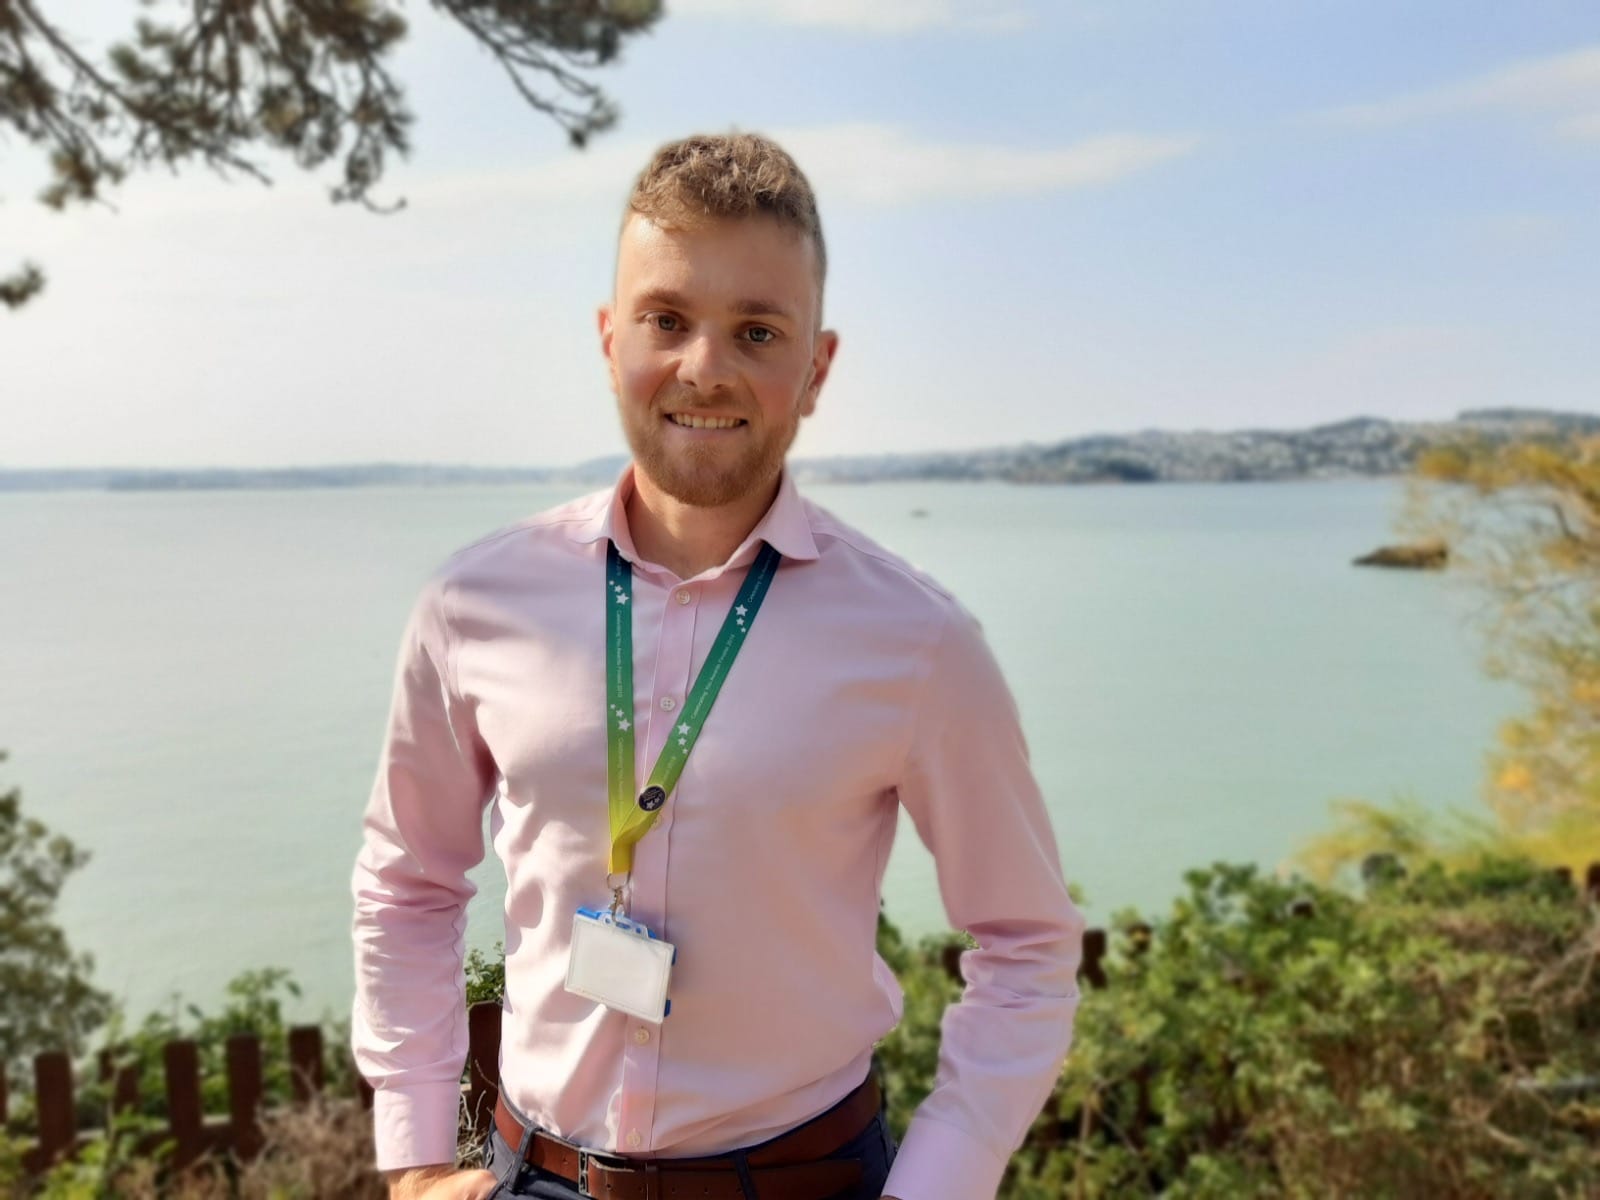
<point x="633" y="817"/>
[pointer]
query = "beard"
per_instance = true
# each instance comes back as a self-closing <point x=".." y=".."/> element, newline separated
<point x="709" y="474"/>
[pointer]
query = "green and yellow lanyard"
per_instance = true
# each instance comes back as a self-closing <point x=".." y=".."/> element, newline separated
<point x="633" y="816"/>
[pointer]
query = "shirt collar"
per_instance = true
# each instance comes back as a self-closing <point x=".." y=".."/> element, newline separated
<point x="786" y="527"/>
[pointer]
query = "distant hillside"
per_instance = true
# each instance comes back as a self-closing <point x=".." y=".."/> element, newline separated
<point x="121" y="479"/>
<point x="1355" y="447"/>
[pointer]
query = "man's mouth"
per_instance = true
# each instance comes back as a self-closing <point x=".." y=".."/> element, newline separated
<point x="695" y="421"/>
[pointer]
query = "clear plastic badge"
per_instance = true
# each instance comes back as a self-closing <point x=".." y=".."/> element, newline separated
<point x="620" y="963"/>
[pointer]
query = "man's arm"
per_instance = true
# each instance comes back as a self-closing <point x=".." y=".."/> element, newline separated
<point x="971" y="793"/>
<point x="422" y="832"/>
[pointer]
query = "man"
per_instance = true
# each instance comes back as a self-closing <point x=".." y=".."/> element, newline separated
<point x="749" y="834"/>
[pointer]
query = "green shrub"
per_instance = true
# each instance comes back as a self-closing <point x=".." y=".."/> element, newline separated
<point x="1277" y="1039"/>
<point x="46" y="997"/>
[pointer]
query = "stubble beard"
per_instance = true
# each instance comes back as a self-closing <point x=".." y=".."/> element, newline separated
<point x="707" y="476"/>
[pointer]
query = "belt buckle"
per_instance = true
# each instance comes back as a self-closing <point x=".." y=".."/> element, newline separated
<point x="651" y="1173"/>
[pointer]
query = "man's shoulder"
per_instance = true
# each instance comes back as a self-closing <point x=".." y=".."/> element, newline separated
<point x="519" y="544"/>
<point x="894" y="574"/>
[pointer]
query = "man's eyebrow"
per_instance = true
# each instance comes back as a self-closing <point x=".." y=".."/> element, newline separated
<point x="665" y="297"/>
<point x="762" y="308"/>
<point x="755" y="307"/>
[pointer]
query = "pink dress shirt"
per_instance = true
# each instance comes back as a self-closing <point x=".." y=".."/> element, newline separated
<point x="863" y="687"/>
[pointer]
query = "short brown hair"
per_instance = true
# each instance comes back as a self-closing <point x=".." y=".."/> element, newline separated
<point x="708" y="176"/>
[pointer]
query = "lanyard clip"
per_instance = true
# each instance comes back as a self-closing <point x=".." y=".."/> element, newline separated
<point x="619" y="906"/>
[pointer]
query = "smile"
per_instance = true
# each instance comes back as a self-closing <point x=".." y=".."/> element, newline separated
<point x="691" y="421"/>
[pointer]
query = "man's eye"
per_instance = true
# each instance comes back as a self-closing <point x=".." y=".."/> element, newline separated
<point x="760" y="334"/>
<point x="665" y="322"/>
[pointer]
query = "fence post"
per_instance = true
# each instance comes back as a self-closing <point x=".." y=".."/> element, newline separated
<point x="305" y="1062"/>
<point x="58" y="1126"/>
<point x="244" y="1093"/>
<point x="483" y="1058"/>
<point x="182" y="1061"/>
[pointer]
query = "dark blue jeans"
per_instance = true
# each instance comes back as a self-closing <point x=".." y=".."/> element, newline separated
<point x="873" y="1146"/>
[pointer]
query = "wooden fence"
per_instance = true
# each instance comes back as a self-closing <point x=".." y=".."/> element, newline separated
<point x="194" y="1132"/>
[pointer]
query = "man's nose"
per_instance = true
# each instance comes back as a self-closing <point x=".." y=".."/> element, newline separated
<point x="706" y="364"/>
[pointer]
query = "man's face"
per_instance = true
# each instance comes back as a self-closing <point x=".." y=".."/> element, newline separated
<point x="714" y="352"/>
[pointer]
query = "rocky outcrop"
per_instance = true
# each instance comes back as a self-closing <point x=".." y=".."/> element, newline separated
<point x="1430" y="555"/>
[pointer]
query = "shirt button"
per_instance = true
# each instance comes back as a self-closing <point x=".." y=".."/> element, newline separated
<point x="684" y="597"/>
<point x="641" y="1035"/>
<point x="634" y="1139"/>
<point x="668" y="704"/>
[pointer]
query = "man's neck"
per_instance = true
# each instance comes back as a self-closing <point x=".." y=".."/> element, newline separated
<point x="687" y="539"/>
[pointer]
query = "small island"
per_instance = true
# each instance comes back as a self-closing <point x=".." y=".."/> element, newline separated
<point x="1432" y="555"/>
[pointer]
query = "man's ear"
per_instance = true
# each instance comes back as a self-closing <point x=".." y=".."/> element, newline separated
<point x="827" y="345"/>
<point x="607" y="327"/>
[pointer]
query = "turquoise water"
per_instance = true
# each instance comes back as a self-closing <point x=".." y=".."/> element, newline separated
<point x="195" y="686"/>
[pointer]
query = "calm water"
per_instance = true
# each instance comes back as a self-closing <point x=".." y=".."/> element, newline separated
<point x="195" y="685"/>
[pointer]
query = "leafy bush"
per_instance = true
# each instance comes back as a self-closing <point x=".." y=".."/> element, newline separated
<point x="1438" y="1037"/>
<point x="46" y="998"/>
<point x="486" y="974"/>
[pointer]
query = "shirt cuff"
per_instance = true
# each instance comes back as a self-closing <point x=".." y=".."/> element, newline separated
<point x="415" y="1126"/>
<point x="937" y="1161"/>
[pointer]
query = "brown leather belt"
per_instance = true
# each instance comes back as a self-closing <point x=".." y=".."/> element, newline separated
<point x="791" y="1166"/>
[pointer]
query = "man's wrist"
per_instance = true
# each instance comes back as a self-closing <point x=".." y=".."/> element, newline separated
<point x="409" y="1182"/>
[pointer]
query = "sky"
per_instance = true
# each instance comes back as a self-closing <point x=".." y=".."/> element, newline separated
<point x="1045" y="219"/>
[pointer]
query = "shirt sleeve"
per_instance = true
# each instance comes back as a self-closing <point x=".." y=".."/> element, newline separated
<point x="969" y="790"/>
<point x="421" y="833"/>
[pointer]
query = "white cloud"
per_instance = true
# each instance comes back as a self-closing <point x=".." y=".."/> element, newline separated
<point x="880" y="164"/>
<point x="867" y="16"/>
<point x="1560" y="82"/>
<point x="863" y="163"/>
<point x="872" y="165"/>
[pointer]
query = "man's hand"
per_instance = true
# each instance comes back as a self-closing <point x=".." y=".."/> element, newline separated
<point x="439" y="1182"/>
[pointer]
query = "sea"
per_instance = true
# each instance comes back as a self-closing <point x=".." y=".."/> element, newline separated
<point x="193" y="688"/>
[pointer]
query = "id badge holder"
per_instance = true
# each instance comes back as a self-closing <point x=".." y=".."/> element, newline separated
<point x="620" y="963"/>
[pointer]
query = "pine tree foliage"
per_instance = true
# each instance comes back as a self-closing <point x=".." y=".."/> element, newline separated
<point x="217" y="82"/>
